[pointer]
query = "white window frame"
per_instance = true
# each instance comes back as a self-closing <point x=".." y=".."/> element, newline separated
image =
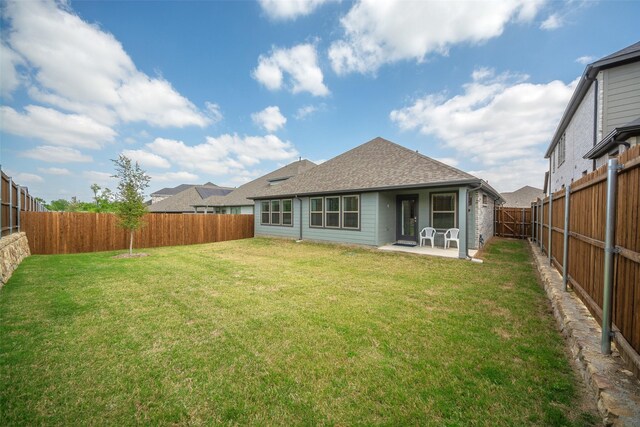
<point x="454" y="211"/>
<point x="562" y="149"/>
<point x="327" y="212"/>
<point x="321" y="212"/>
<point x="262" y="212"/>
<point x="290" y="212"/>
<point x="357" y="212"/>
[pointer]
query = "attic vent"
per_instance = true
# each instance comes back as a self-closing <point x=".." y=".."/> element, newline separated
<point x="277" y="181"/>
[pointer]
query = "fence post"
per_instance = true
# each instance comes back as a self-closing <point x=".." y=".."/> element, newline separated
<point x="540" y="223"/>
<point x="19" y="203"/>
<point x="522" y="230"/>
<point x="609" y="251"/>
<point x="533" y="223"/>
<point x="550" y="226"/>
<point x="565" y="237"/>
<point x="10" y="205"/>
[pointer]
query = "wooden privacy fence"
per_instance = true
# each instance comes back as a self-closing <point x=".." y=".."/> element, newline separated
<point x="586" y="250"/>
<point x="14" y="199"/>
<point x="74" y="232"/>
<point x="512" y="222"/>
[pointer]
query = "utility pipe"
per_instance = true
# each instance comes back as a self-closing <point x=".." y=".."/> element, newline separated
<point x="609" y="251"/>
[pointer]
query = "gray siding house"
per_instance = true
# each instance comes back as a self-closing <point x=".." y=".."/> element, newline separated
<point x="375" y="194"/>
<point x="602" y="118"/>
<point x="237" y="201"/>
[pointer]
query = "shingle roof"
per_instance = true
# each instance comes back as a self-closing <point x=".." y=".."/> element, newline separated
<point x="170" y="191"/>
<point x="183" y="201"/>
<point x="239" y="196"/>
<point x="522" y="197"/>
<point x="376" y="165"/>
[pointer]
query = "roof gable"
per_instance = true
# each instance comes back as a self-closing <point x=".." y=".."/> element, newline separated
<point x="377" y="164"/>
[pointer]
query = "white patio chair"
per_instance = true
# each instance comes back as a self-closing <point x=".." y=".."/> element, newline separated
<point x="451" y="235"/>
<point x="427" y="233"/>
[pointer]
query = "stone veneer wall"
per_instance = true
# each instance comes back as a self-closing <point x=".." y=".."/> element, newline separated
<point x="13" y="249"/>
<point x="484" y="218"/>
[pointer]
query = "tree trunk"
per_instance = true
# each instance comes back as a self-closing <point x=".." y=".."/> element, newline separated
<point x="131" y="242"/>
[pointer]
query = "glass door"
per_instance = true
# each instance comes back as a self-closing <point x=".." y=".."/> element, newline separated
<point x="407" y="222"/>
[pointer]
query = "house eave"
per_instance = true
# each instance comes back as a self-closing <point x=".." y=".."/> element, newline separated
<point x="614" y="138"/>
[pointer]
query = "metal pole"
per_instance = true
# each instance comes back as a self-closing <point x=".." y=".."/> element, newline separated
<point x="565" y="237"/>
<point x="540" y="220"/>
<point x="550" y="226"/>
<point x="19" y="205"/>
<point x="522" y="230"/>
<point x="609" y="251"/>
<point x="10" y="205"/>
<point x="533" y="223"/>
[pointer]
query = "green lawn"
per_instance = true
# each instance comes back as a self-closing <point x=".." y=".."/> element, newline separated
<point x="273" y="332"/>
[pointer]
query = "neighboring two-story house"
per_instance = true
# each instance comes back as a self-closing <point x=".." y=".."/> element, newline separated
<point x="602" y="118"/>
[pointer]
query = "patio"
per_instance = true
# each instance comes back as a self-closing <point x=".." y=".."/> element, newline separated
<point x="427" y="250"/>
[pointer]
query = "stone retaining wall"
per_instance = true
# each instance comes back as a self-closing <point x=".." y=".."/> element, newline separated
<point x="13" y="249"/>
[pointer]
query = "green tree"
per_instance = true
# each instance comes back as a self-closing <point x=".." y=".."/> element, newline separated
<point x="130" y="207"/>
<point x="95" y="188"/>
<point x="60" y="205"/>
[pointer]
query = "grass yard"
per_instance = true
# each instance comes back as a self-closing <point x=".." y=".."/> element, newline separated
<point x="272" y="332"/>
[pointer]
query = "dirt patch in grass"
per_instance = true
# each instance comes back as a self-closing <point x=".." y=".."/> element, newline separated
<point x="136" y="255"/>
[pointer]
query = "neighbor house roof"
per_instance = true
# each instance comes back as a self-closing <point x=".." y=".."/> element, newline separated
<point x="615" y="137"/>
<point x="624" y="56"/>
<point x="522" y="197"/>
<point x="183" y="201"/>
<point x="376" y="165"/>
<point x="170" y="191"/>
<point x="240" y="196"/>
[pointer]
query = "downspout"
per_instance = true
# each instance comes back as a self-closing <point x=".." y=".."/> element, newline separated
<point x="472" y="189"/>
<point x="300" y="215"/>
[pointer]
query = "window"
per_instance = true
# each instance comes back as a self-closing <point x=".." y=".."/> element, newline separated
<point x="286" y="212"/>
<point x="443" y="210"/>
<point x="264" y="212"/>
<point x="235" y="210"/>
<point x="332" y="212"/>
<point x="335" y="212"/>
<point x="275" y="212"/>
<point x="561" y="149"/>
<point x="553" y="161"/>
<point x="484" y="199"/>
<point x="316" y="212"/>
<point x="351" y="212"/>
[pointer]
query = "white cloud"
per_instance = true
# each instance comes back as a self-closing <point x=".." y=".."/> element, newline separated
<point x="146" y="159"/>
<point x="48" y="153"/>
<point x="290" y="9"/>
<point x="380" y="32"/>
<point x="586" y="59"/>
<point x="300" y="63"/>
<point x="55" y="171"/>
<point x="55" y="127"/>
<point x="214" y="112"/>
<point x="226" y="154"/>
<point x="271" y="119"/>
<point x="496" y="120"/>
<point x="308" y="110"/>
<point x="514" y="174"/>
<point x="553" y="22"/>
<point x="27" y="178"/>
<point x="81" y="68"/>
<point x="9" y="76"/>
<point x="181" y="177"/>
<point x="102" y="178"/>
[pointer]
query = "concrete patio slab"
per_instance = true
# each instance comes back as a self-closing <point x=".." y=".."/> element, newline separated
<point x="426" y="250"/>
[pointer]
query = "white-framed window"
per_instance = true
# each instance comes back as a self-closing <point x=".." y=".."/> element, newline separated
<point x="351" y="212"/>
<point x="265" y="217"/>
<point x="443" y="210"/>
<point x="332" y="212"/>
<point x="316" y="212"/>
<point x="335" y="212"/>
<point x="276" y="212"/>
<point x="485" y="200"/>
<point x="562" y="149"/>
<point x="235" y="210"/>
<point x="287" y="212"/>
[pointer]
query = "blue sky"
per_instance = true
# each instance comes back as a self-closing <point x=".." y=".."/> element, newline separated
<point x="224" y="92"/>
